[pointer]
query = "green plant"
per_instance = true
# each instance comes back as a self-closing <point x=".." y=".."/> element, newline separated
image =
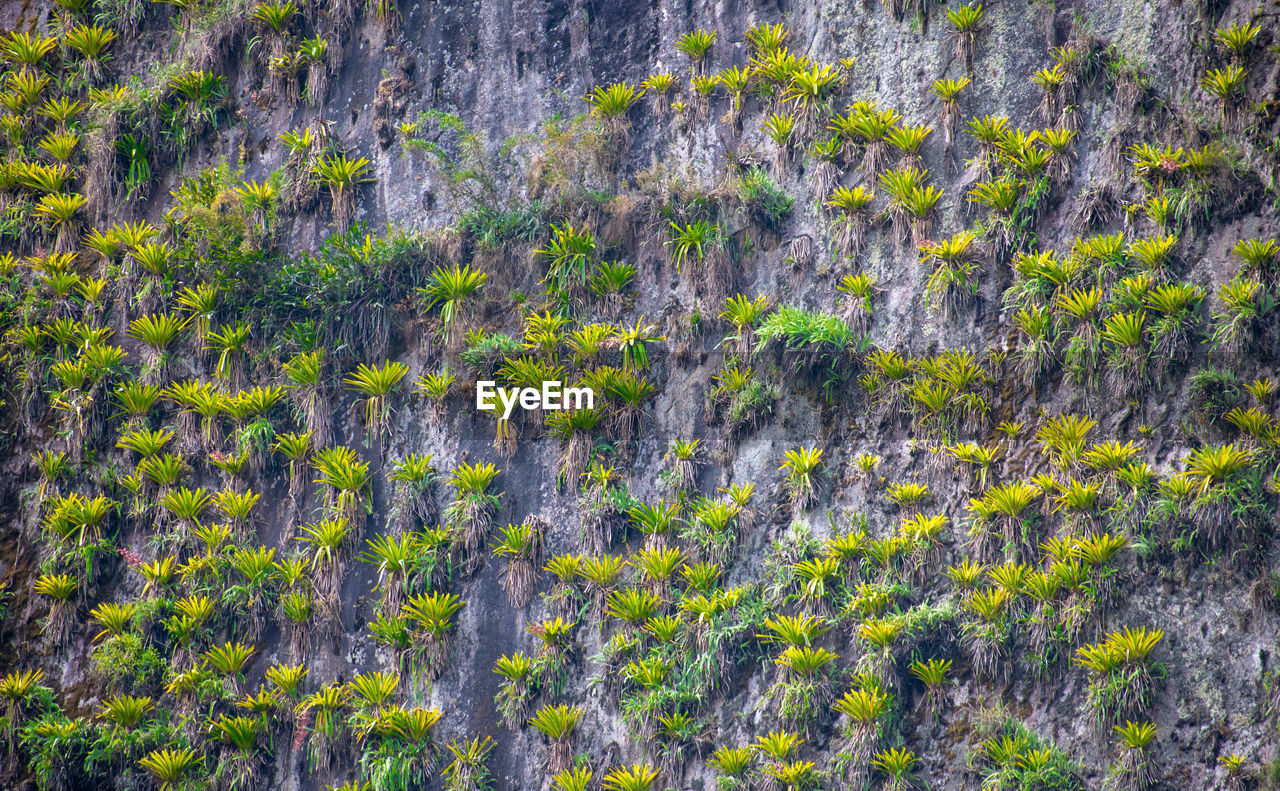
<point x="1227" y="86"/>
<point x="343" y="177"/>
<point x="229" y="344"/>
<point x="275" y="14"/>
<point x="432" y="615"/>
<point x="851" y="206"/>
<point x="200" y="303"/>
<point x="473" y="503"/>
<point x="767" y="203"/>
<point x="1244" y="302"/>
<point x="934" y="674"/>
<point x="611" y="104"/>
<point x="328" y="539"/>
<point x="809" y="90"/>
<point x="896" y="764"/>
<point x="26" y="50"/>
<point x="696" y="240"/>
<point x="58" y="211"/>
<point x="520" y="676"/>
<point x="1135" y="768"/>
<point x="376" y="383"/>
<point x="1123" y="679"/>
<point x="951" y="284"/>
<point x="802" y="465"/>
<point x="520" y="545"/>
<point x="967" y="20"/>
<point x="735" y="80"/>
<point x="557" y="723"/>
<point x="242" y="734"/>
<point x="637" y="777"/>
<point x="1237" y="38"/>
<point x="813" y="344"/>
<point x="450" y="288"/>
<point x="467" y="771"/>
<point x="634" y="341"/>
<point x="570" y="254"/>
<point x="229" y="659"/>
<point x="696" y="44"/>
<point x="1259" y="256"/>
<point x="577" y="779"/>
<point x="781" y="129"/>
<point x="913" y="203"/>
<point x="113" y="618"/>
<point x="170" y="767"/>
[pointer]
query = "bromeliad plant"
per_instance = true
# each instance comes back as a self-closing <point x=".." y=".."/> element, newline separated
<point x="435" y="388"/>
<point x="865" y="709"/>
<point x="557" y="724"/>
<point x="1227" y="86"/>
<point x="404" y="750"/>
<point x="985" y="634"/>
<point x="1226" y="487"/>
<point x="229" y="344"/>
<point x="1244" y="303"/>
<point x="412" y="503"/>
<point x="1236" y="39"/>
<point x="947" y="90"/>
<point x="573" y="427"/>
<point x="376" y="384"/>
<point x="347" y="479"/>
<point x="1136" y="770"/>
<point x="683" y="458"/>
<point x="803" y="695"/>
<point x="851" y="207"/>
<point x="696" y="45"/>
<point x="521" y="546"/>
<point x="157" y="333"/>
<point x="1127" y="353"/>
<point x="518" y="688"/>
<point x="897" y="765"/>
<point x="328" y="724"/>
<point x="571" y="255"/>
<point x="22" y="694"/>
<point x="342" y="176"/>
<point x="297" y="449"/>
<point x="1124" y="678"/>
<point x="809" y="92"/>
<point x="472" y="509"/>
<point x="743" y="314"/>
<point x="329" y="540"/>
<point x="637" y="777"/>
<point x="450" y="290"/>
<point x="967" y="20"/>
<point x="912" y="207"/>
<point x="305" y="375"/>
<point x="732" y="764"/>
<point x="952" y="284"/>
<point x="58" y="213"/>
<point x="431" y="615"/>
<point x="802" y="466"/>
<point x="171" y="766"/>
<point x="612" y="103"/>
<point x="398" y="560"/>
<point x="239" y="762"/>
<point x="934" y="674"/>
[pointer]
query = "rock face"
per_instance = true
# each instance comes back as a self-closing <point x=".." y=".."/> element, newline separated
<point x="472" y="115"/>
